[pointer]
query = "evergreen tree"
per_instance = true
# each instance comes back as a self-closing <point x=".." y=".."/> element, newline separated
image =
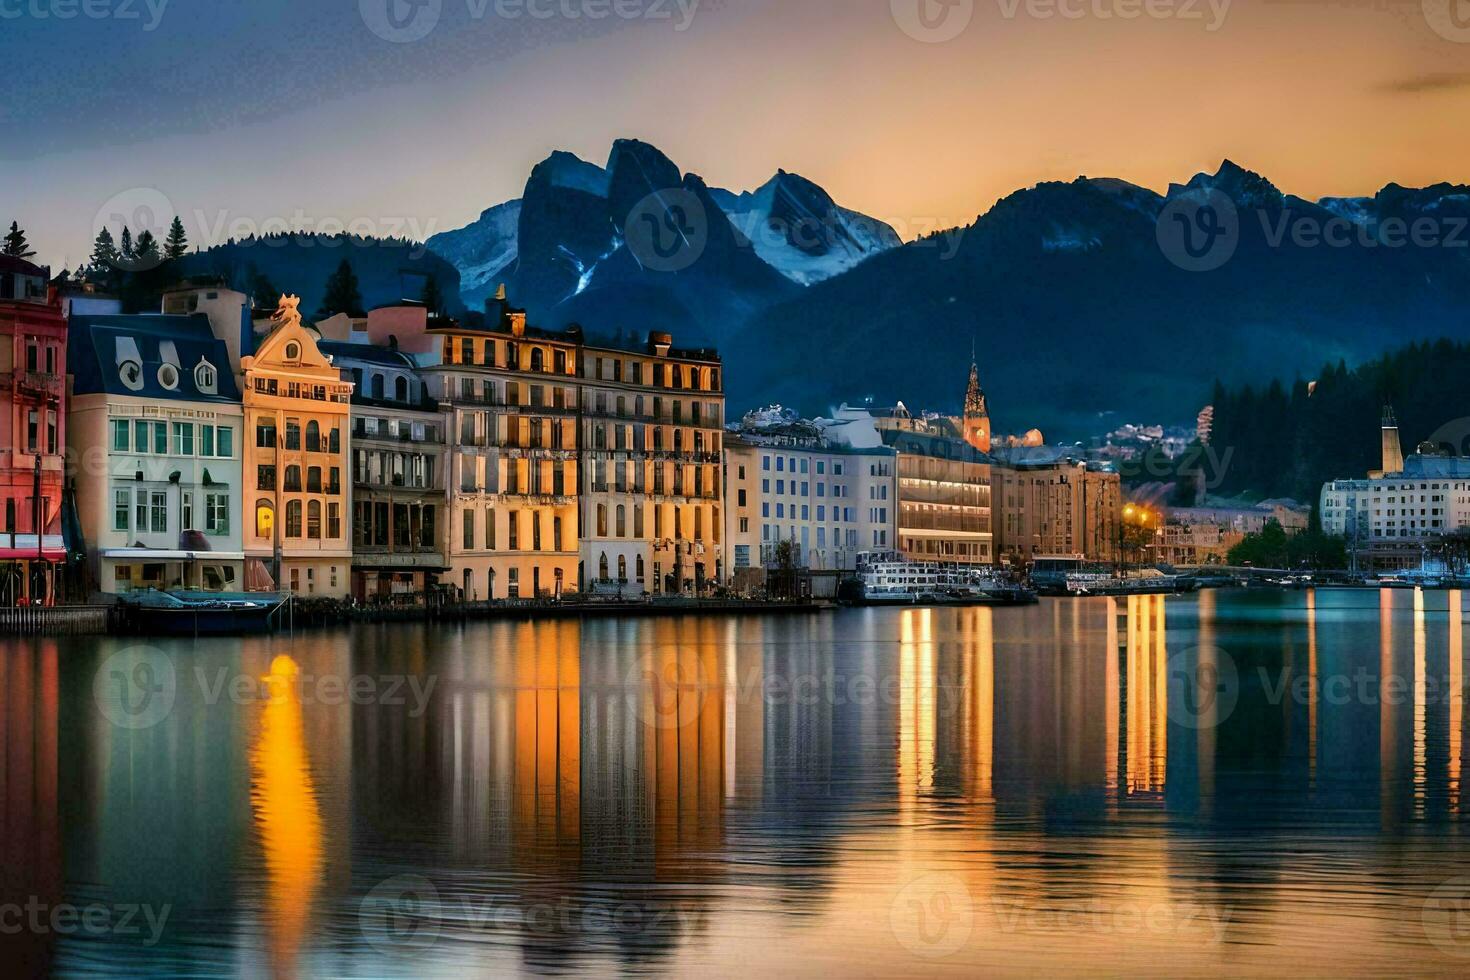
<point x="146" y="248"/>
<point x="125" y="248"/>
<point x="177" y="243"/>
<point x="433" y="298"/>
<point x="342" y="295"/>
<point x="16" y="244"/>
<point x="263" y="292"/>
<point x="104" y="254"/>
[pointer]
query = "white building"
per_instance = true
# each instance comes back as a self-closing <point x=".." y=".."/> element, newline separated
<point x="155" y="425"/>
<point x="1388" y="521"/>
<point x="792" y="482"/>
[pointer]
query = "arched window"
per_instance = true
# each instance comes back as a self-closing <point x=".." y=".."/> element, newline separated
<point x="538" y="359"/>
<point x="622" y="521"/>
<point x="293" y="479"/>
<point x="602" y="524"/>
<point x="622" y="568"/>
<point x="293" y="519"/>
<point x="206" y="379"/>
<point x="313" y="437"/>
<point x="639" y="566"/>
<point x="314" y="520"/>
<point x="400" y="389"/>
<point x="602" y="568"/>
<point x="265" y="519"/>
<point x="293" y="351"/>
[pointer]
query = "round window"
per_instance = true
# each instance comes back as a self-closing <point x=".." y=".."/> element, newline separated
<point x="168" y="376"/>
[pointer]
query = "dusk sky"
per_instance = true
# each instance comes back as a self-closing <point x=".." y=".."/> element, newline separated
<point x="273" y="109"/>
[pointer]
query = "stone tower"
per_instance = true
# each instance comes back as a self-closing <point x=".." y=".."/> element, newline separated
<point x="977" y="412"/>
<point x="1393" y="452"/>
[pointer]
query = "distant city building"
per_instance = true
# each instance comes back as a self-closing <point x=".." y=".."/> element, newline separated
<point x="1051" y="502"/>
<point x="1391" y="518"/>
<point x="1204" y="428"/>
<point x="33" y="436"/>
<point x="805" y="483"/>
<point x="1206" y="535"/>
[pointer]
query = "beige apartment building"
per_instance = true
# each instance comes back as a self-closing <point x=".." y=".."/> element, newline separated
<point x="297" y="412"/>
<point x="651" y="490"/>
<point x="510" y="401"/>
<point x="1049" y="504"/>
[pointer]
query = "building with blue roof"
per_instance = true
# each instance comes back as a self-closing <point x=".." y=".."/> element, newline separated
<point x="156" y="427"/>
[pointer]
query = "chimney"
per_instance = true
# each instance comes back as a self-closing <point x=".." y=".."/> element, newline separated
<point x="1393" y="453"/>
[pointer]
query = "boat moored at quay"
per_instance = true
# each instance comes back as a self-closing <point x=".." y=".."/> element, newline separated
<point x="888" y="579"/>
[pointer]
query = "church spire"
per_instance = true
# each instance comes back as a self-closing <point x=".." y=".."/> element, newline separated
<point x="977" y="412"/>
<point x="975" y="404"/>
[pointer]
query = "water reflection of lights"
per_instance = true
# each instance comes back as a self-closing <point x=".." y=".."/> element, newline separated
<point x="287" y="818"/>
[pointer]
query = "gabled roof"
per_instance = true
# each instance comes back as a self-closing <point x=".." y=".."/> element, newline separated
<point x="100" y="346"/>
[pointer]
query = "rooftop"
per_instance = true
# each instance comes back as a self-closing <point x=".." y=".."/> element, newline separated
<point x="128" y="355"/>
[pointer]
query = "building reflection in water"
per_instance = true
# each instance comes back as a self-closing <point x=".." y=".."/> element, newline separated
<point x="30" y="831"/>
<point x="287" y="816"/>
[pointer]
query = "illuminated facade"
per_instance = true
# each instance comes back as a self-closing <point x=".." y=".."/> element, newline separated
<point x="297" y="413"/>
<point x="32" y="432"/>
<point x="1047" y="504"/>
<point x="944" y="500"/>
<point x="510" y="402"/>
<point x="652" y="488"/>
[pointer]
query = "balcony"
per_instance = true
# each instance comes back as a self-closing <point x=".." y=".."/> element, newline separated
<point x="38" y="384"/>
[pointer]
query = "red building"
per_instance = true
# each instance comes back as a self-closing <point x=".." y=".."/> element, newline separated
<point x="32" y="433"/>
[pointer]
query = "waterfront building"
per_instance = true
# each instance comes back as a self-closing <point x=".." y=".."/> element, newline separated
<point x="509" y="393"/>
<point x="33" y="436"/>
<point x="297" y="412"/>
<point x="1049" y="502"/>
<point x="800" y="482"/>
<point x="652" y="489"/>
<point x="400" y="537"/>
<point x="156" y="433"/>
<point x="944" y="499"/>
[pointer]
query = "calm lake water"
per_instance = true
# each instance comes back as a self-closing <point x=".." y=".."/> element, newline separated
<point x="1236" y="783"/>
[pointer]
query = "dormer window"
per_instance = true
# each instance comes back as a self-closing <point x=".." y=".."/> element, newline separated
<point x="131" y="373"/>
<point x="206" y="379"/>
<point x="168" y="376"/>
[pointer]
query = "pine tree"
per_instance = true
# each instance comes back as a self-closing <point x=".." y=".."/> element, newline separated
<point x="177" y="243"/>
<point x="342" y="295"/>
<point x="104" y="254"/>
<point x="146" y="248"/>
<point x="433" y="298"/>
<point x="125" y="250"/>
<point x="263" y="292"/>
<point x="16" y="244"/>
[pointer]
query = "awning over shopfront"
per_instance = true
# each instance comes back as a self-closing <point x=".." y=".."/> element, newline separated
<point x="157" y="554"/>
<point x="22" y="547"/>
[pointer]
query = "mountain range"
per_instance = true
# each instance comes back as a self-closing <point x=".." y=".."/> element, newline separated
<point x="1084" y="302"/>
